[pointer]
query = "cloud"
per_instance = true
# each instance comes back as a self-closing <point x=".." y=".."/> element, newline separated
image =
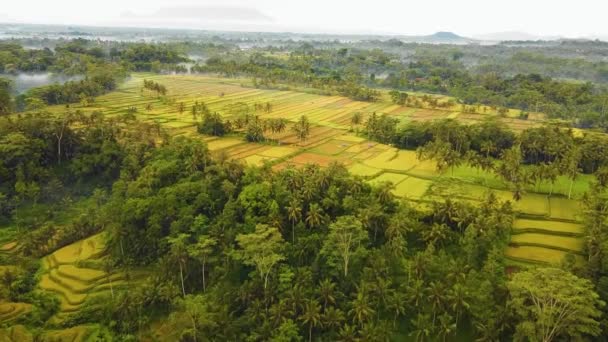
<point x="211" y="13"/>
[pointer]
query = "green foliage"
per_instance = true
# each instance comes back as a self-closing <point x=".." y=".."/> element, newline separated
<point x="261" y="249"/>
<point x="551" y="303"/>
<point x="6" y="104"/>
<point x="344" y="243"/>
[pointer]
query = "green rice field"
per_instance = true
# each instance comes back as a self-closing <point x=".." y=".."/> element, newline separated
<point x="332" y="139"/>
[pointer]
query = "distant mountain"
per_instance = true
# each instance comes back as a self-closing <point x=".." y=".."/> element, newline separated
<point x="445" y="36"/>
<point x="513" y="35"/>
<point x="441" y="37"/>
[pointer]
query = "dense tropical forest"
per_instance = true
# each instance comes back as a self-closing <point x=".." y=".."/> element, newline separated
<point x="112" y="227"/>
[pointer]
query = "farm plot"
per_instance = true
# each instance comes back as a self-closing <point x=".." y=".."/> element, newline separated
<point x="72" y="283"/>
<point x="564" y="209"/>
<point x="363" y="170"/>
<point x="537" y="254"/>
<point x="322" y="160"/>
<point x="332" y="147"/>
<point x="394" y="178"/>
<point x="565" y="243"/>
<point x="549" y="227"/>
<point x="393" y="159"/>
<point x="11" y="311"/>
<point x="413" y="188"/>
<point x="16" y="333"/>
<point x="278" y="151"/>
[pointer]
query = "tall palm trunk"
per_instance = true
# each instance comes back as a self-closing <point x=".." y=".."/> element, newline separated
<point x="181" y="275"/>
<point x="310" y="332"/>
<point x="204" y="284"/>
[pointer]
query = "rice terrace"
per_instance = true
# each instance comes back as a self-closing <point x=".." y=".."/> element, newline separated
<point x="549" y="227"/>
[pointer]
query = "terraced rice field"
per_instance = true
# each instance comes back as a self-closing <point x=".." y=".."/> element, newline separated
<point x="16" y="333"/>
<point x="10" y="311"/>
<point x="548" y="240"/>
<point x="73" y="284"/>
<point x="331" y="140"/>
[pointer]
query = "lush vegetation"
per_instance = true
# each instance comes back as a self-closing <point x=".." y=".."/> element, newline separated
<point x="116" y="225"/>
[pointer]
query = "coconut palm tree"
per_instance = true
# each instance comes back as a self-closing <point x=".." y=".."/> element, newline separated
<point x="347" y="333"/>
<point x="280" y="311"/>
<point x="436" y="296"/>
<point x="396" y="304"/>
<point x="314" y="216"/>
<point x="294" y="212"/>
<point x="311" y="315"/>
<point x="327" y="292"/>
<point x="361" y="309"/>
<point x="447" y="326"/>
<point x="333" y="318"/>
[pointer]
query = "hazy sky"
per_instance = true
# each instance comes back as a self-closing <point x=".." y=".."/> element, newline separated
<point x="466" y="17"/>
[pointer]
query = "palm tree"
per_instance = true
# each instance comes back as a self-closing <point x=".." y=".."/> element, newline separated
<point x="311" y="316"/>
<point x="361" y="309"/>
<point x="314" y="217"/>
<point x="327" y="290"/>
<point x="295" y="298"/>
<point x="437" y="233"/>
<point x="415" y="292"/>
<point x="347" y="334"/>
<point x="370" y="331"/>
<point x="302" y="128"/>
<point x="294" y="212"/>
<point x="396" y="304"/>
<point x="355" y="120"/>
<point x="446" y="326"/>
<point x="382" y="290"/>
<point x="333" y="317"/>
<point x="384" y="193"/>
<point x="323" y="178"/>
<point x="423" y="329"/>
<point x="309" y="189"/>
<point x="280" y="312"/>
<point x="436" y="297"/>
<point x="458" y="298"/>
<point x="180" y="253"/>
